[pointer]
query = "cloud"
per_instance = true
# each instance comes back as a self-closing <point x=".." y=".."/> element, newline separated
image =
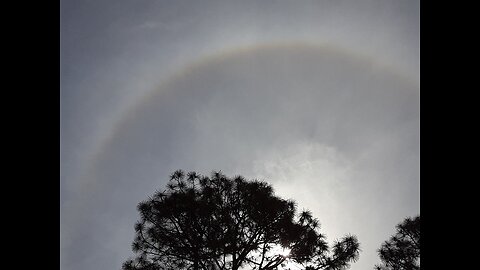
<point x="324" y="127"/>
<point x="333" y="129"/>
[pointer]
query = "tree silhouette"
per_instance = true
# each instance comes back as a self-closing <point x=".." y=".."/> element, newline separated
<point x="402" y="251"/>
<point x="217" y="222"/>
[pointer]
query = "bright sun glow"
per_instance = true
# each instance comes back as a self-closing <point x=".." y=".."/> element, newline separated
<point x="288" y="264"/>
<point x="285" y="252"/>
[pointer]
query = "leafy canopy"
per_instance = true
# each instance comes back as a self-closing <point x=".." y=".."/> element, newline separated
<point x="402" y="250"/>
<point x="217" y="222"/>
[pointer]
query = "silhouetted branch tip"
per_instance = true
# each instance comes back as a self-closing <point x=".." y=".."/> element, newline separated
<point x="402" y="250"/>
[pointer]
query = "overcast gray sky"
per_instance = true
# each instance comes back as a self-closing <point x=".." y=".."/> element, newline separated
<point x="319" y="98"/>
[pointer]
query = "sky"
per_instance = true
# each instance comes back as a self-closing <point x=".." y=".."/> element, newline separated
<point x="318" y="98"/>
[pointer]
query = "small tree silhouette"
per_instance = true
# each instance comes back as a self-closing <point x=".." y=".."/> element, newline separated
<point x="217" y="222"/>
<point x="402" y="251"/>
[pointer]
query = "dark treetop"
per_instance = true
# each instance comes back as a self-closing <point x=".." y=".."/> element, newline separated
<point x="217" y="222"/>
<point x="402" y="251"/>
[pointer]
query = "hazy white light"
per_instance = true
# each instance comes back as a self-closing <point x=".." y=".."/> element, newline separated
<point x="282" y="251"/>
<point x="285" y="252"/>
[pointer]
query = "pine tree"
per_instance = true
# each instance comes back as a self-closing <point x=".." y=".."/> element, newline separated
<point x="217" y="222"/>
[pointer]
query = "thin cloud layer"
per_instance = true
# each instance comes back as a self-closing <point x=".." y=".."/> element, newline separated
<point x="334" y="127"/>
<point x="287" y="114"/>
